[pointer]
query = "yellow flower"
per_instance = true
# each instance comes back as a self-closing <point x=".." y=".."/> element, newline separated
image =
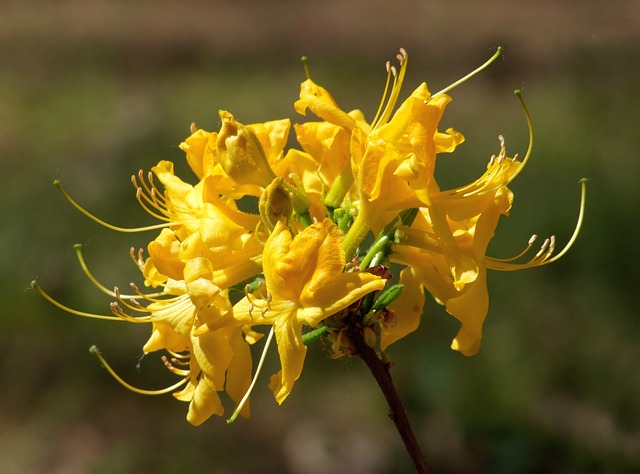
<point x="305" y="284"/>
<point x="392" y="159"/>
<point x="435" y="263"/>
<point x="445" y="252"/>
<point x="218" y="360"/>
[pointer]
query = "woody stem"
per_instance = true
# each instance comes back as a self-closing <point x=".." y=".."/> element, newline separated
<point x="380" y="372"/>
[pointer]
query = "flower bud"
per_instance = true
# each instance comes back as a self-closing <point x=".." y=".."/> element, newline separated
<point x="275" y="203"/>
<point x="241" y="154"/>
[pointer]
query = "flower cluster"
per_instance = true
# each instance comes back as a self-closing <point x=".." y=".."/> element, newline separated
<point x="275" y="237"/>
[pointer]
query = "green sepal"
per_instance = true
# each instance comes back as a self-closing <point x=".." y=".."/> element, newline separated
<point x="314" y="334"/>
<point x="387" y="297"/>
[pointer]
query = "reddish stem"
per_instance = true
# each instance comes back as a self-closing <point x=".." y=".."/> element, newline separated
<point x="381" y="373"/>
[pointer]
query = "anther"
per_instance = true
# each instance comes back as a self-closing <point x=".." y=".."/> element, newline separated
<point x="135" y="303"/>
<point x="166" y="362"/>
<point x="193" y="128"/>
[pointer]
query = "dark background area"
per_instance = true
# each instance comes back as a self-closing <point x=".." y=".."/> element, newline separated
<point x="92" y="91"/>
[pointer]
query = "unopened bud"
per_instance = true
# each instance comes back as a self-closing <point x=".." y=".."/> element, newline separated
<point x="276" y="202"/>
<point x="241" y="154"/>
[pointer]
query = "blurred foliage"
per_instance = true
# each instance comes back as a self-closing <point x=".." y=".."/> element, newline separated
<point x="91" y="92"/>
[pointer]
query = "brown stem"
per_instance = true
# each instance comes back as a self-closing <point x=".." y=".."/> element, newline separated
<point x="380" y="372"/>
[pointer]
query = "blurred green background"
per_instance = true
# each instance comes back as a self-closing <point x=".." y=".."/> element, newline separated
<point x="92" y="91"/>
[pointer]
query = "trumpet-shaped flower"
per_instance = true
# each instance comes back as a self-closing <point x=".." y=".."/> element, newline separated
<point x="305" y="284"/>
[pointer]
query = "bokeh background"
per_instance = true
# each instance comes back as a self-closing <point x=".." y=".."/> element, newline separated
<point x="93" y="90"/>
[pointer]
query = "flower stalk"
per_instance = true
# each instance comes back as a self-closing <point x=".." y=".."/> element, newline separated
<point x="397" y="413"/>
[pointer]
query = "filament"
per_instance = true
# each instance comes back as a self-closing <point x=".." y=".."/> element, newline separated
<point x="100" y="221"/>
<point x="398" y="79"/>
<point x="96" y="352"/>
<point x="545" y="254"/>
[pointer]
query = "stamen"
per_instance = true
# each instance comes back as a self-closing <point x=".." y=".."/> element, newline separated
<point x="384" y="94"/>
<point x="176" y="355"/>
<point x="398" y="79"/>
<point x="385" y="108"/>
<point x="169" y="365"/>
<point x="142" y="197"/>
<point x="118" y="311"/>
<point x="139" y="261"/>
<point x="255" y="377"/>
<point x="89" y="275"/>
<point x="545" y="254"/>
<point x="532" y="239"/>
<point x="35" y="285"/>
<point x="497" y="54"/>
<point x="96" y="352"/>
<point x="152" y="297"/>
<point x="57" y="184"/>
<point x="85" y="269"/>
<point x="193" y="129"/>
<point x="132" y="304"/>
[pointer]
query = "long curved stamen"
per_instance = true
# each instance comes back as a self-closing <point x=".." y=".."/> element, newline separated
<point x="116" y="292"/>
<point x="497" y="174"/>
<point x="496" y="55"/>
<point x="576" y="231"/>
<point x="177" y="355"/>
<point x="119" y="312"/>
<point x="151" y="297"/>
<point x="96" y="352"/>
<point x="85" y="269"/>
<point x="390" y="73"/>
<point x="255" y="378"/>
<point x="143" y="198"/>
<point x="37" y="287"/>
<point x="173" y="369"/>
<point x="532" y="239"/>
<point x="133" y="304"/>
<point x="398" y="79"/>
<point x="545" y="255"/>
<point x="57" y="184"/>
<point x="150" y="197"/>
<point x="87" y="272"/>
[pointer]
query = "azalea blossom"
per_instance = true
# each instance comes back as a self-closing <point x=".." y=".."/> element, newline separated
<point x="305" y="284"/>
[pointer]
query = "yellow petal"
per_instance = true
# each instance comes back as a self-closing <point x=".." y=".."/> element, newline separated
<point x="319" y="101"/>
<point x="288" y="331"/>
<point x="470" y="308"/>
<point x="205" y="403"/>
<point x="407" y="308"/>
